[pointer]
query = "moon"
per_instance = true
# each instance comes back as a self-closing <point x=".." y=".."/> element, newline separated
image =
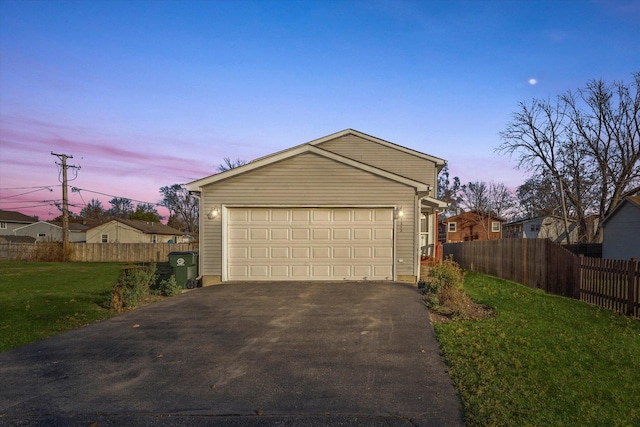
<point x="533" y="81"/>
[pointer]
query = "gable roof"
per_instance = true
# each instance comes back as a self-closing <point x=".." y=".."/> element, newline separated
<point x="633" y="200"/>
<point x="313" y="147"/>
<point x="144" y="226"/>
<point x="11" y="216"/>
<point x="483" y="215"/>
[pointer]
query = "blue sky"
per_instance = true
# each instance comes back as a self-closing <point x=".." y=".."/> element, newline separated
<point x="148" y="93"/>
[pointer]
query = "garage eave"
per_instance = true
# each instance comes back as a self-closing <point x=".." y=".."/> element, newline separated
<point x="433" y="203"/>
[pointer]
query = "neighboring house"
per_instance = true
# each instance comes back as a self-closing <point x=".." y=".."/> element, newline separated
<point x="348" y="206"/>
<point x="44" y="231"/>
<point x="10" y="220"/>
<point x="621" y="230"/>
<point x="471" y="226"/>
<point x="543" y="227"/>
<point x="133" y="231"/>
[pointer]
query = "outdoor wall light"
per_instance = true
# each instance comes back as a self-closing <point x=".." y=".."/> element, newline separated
<point x="213" y="213"/>
<point x="399" y="215"/>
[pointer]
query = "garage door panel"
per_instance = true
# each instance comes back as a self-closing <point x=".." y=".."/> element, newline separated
<point x="341" y="253"/>
<point x="280" y="272"/>
<point x="341" y="234"/>
<point x="341" y="271"/>
<point x="279" y="253"/>
<point x="309" y="244"/>
<point x="301" y="234"/>
<point x="342" y="215"/>
<point x="238" y="234"/>
<point x="301" y="253"/>
<point x="281" y="234"/>
<point x="321" y="252"/>
<point x="280" y="215"/>
<point x="384" y="215"/>
<point x="382" y="234"/>
<point x="321" y="272"/>
<point x="382" y="271"/>
<point x="362" y="234"/>
<point x="259" y="271"/>
<point x="362" y="215"/>
<point x="362" y="271"/>
<point x="259" y="252"/>
<point x="238" y="271"/>
<point x="300" y="216"/>
<point x="239" y="253"/>
<point x="321" y="215"/>
<point x="259" y="215"/>
<point x="238" y="215"/>
<point x="321" y="234"/>
<point x="298" y="271"/>
<point x="362" y="253"/>
<point x="382" y="252"/>
<point x="259" y="234"/>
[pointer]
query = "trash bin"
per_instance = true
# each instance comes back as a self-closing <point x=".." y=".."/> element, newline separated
<point x="185" y="268"/>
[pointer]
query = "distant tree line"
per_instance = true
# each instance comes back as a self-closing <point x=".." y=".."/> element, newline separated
<point x="582" y="150"/>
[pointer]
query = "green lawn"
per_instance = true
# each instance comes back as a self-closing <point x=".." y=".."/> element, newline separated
<point x="39" y="299"/>
<point x="543" y="360"/>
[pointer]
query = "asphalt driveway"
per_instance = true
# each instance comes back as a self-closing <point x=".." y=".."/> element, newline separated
<point x="241" y="354"/>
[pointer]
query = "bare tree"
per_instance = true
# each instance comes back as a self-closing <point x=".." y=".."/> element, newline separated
<point x="449" y="191"/>
<point x="228" y="164"/>
<point x="121" y="207"/>
<point x="492" y="198"/>
<point x="587" y="142"/>
<point x="538" y="196"/>
<point x="183" y="209"/>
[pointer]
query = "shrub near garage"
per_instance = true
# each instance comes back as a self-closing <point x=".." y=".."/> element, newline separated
<point x="134" y="284"/>
<point x="137" y="283"/>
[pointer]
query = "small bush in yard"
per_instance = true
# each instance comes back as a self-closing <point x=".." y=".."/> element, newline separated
<point x="133" y="286"/>
<point x="167" y="287"/>
<point x="443" y="289"/>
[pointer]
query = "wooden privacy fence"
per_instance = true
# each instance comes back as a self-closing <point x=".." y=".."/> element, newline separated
<point x="96" y="252"/>
<point x="542" y="264"/>
<point x="537" y="263"/>
<point x="612" y="284"/>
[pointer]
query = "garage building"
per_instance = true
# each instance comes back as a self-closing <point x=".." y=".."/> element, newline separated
<point x="348" y="206"/>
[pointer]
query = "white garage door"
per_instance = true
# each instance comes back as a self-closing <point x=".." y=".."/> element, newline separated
<point x="309" y="244"/>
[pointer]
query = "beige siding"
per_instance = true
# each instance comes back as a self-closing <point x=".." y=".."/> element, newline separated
<point x="383" y="157"/>
<point x="122" y="233"/>
<point x="306" y="180"/>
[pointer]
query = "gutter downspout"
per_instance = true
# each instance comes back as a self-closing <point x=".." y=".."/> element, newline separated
<point x="197" y="195"/>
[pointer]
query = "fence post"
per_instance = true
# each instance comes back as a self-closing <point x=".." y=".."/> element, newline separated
<point x="577" y="286"/>
<point x="631" y="297"/>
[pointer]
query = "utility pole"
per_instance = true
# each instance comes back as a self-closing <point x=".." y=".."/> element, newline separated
<point x="65" y="202"/>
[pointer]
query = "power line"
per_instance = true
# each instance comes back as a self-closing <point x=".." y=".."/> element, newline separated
<point x="78" y="190"/>
<point x="27" y="192"/>
<point x="29" y="188"/>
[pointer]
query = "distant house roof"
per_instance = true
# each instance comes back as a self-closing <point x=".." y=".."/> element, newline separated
<point x="73" y="226"/>
<point x="524" y="221"/>
<point x="146" y="227"/>
<point x="11" y="216"/>
<point x="18" y="239"/>
<point x="476" y="214"/>
<point x="633" y="200"/>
